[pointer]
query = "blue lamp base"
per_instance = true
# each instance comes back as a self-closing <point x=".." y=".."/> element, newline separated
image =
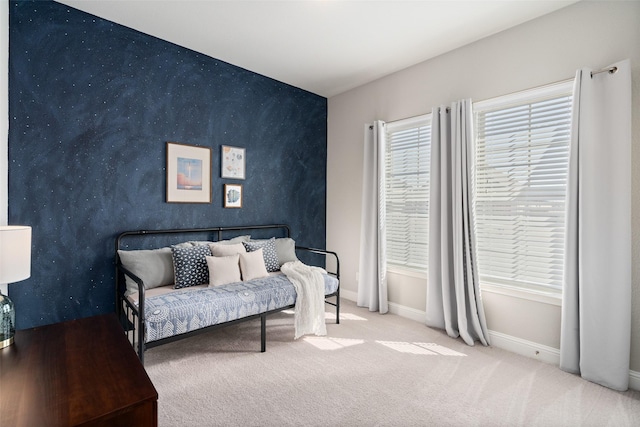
<point x="7" y="321"/>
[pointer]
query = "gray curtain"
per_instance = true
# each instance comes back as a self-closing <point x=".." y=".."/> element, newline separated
<point x="596" y="302"/>
<point x="372" y="284"/>
<point x="454" y="302"/>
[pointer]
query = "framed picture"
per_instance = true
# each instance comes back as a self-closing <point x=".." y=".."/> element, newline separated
<point x="233" y="195"/>
<point x="233" y="162"/>
<point x="188" y="173"/>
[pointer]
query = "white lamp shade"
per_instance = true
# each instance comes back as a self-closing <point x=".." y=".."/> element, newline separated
<point x="15" y="253"/>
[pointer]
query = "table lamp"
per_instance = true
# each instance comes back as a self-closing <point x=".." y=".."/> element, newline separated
<point x="15" y="265"/>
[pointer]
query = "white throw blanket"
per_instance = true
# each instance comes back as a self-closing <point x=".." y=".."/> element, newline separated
<point x="309" y="310"/>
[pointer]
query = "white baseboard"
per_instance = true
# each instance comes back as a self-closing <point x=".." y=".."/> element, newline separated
<point x="525" y="347"/>
<point x="634" y="380"/>
<point x="503" y="341"/>
<point x="542" y="352"/>
<point x="350" y="295"/>
<point x="400" y="310"/>
<point x="408" y="312"/>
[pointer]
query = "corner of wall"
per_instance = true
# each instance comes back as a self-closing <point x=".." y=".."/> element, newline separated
<point x="4" y="112"/>
<point x="4" y="118"/>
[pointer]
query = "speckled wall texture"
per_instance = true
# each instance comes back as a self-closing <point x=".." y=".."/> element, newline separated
<point x="91" y="107"/>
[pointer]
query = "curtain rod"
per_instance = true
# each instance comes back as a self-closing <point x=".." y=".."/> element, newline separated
<point x="610" y="70"/>
<point x="371" y="126"/>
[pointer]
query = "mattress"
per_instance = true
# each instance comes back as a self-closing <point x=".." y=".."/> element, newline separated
<point x="171" y="312"/>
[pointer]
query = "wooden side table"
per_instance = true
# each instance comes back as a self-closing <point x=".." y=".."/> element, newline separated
<point x="78" y="373"/>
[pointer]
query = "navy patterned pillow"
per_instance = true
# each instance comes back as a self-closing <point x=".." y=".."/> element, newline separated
<point x="190" y="265"/>
<point x="268" y="252"/>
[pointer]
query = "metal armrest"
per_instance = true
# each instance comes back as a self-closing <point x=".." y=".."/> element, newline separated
<point x="324" y="252"/>
<point x="140" y="309"/>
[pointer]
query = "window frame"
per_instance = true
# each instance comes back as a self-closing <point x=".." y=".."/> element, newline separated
<point x="536" y="292"/>
<point x="416" y="122"/>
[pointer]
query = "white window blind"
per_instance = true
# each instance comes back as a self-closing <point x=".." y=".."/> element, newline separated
<point x="407" y="166"/>
<point x="520" y="176"/>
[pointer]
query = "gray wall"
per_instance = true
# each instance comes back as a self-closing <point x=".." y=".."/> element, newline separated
<point x="542" y="51"/>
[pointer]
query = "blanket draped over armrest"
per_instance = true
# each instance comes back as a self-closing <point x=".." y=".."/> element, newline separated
<point x="309" y="308"/>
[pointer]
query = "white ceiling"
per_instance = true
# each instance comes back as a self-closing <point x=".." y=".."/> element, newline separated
<point x="325" y="47"/>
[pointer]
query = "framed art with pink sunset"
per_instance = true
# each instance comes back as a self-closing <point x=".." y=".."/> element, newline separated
<point x="188" y="173"/>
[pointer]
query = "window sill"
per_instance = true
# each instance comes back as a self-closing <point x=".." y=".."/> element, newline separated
<point x="407" y="272"/>
<point x="551" y="298"/>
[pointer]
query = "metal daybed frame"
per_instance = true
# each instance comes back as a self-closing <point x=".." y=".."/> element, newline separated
<point x="133" y="318"/>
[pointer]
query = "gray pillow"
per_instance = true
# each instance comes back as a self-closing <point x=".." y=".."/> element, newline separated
<point x="238" y="239"/>
<point x="154" y="267"/>
<point x="183" y="245"/>
<point x="235" y="240"/>
<point x="285" y="249"/>
<point x="268" y="252"/>
<point x="190" y="265"/>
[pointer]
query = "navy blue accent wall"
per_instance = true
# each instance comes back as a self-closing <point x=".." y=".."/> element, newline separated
<point x="91" y="107"/>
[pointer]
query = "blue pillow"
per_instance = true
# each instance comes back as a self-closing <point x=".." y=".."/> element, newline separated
<point x="268" y="252"/>
<point x="190" y="265"/>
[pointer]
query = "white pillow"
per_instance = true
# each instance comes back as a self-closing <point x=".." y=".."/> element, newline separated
<point x="218" y="249"/>
<point x="223" y="270"/>
<point x="252" y="265"/>
<point x="268" y="252"/>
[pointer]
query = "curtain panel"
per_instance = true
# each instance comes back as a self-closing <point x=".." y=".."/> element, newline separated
<point x="596" y="304"/>
<point x="372" y="284"/>
<point x="454" y="302"/>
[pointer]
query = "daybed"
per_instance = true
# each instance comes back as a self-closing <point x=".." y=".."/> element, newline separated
<point x="165" y="294"/>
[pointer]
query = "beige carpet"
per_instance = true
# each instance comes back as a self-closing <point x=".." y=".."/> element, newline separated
<point x="371" y="370"/>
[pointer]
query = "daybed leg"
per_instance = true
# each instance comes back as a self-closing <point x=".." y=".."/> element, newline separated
<point x="141" y="351"/>
<point x="263" y="333"/>
<point x="338" y="307"/>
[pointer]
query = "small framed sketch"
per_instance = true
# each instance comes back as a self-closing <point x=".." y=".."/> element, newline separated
<point x="233" y="162"/>
<point x="188" y="173"/>
<point x="233" y="195"/>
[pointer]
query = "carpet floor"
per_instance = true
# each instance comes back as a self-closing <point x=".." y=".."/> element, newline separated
<point x="370" y="370"/>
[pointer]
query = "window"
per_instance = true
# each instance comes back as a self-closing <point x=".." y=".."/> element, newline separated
<point x="407" y="164"/>
<point x="520" y="177"/>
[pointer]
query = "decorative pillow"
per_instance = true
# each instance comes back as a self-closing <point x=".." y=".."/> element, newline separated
<point x="182" y="245"/>
<point x="197" y="242"/>
<point x="252" y="265"/>
<point x="226" y="250"/>
<point x="223" y="269"/>
<point x="190" y="265"/>
<point x="268" y="250"/>
<point x="233" y="241"/>
<point x="286" y="250"/>
<point x="154" y="267"/>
